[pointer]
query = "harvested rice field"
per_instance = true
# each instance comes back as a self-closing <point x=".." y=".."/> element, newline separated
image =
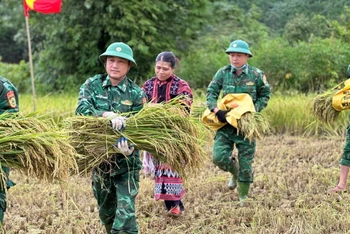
<point x="289" y="195"/>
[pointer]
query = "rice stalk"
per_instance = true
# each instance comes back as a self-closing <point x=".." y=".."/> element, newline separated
<point x="322" y="106"/>
<point x="36" y="147"/>
<point x="323" y="109"/>
<point x="162" y="130"/>
<point x="198" y="109"/>
<point x="253" y="125"/>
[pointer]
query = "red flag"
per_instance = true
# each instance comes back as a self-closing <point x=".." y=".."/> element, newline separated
<point x="42" y="6"/>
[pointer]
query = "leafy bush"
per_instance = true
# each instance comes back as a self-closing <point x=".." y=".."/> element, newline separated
<point x="18" y="74"/>
<point x="199" y="67"/>
<point x="307" y="66"/>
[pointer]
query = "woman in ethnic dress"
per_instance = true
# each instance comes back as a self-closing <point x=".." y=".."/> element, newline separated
<point x="162" y="88"/>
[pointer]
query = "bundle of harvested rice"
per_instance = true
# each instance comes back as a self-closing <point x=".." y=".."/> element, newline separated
<point x="198" y="109"/>
<point x="36" y="147"/>
<point x="241" y="115"/>
<point x="253" y="125"/>
<point x="162" y="130"/>
<point x="323" y="109"/>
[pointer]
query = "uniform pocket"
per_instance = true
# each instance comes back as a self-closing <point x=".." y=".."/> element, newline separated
<point x="226" y="89"/>
<point x="101" y="103"/>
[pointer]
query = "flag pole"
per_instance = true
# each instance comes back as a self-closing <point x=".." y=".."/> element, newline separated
<point x="31" y="64"/>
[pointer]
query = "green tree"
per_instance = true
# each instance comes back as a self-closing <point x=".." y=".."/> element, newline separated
<point x="277" y="13"/>
<point x="305" y="66"/>
<point x="207" y="54"/>
<point x="75" y="38"/>
<point x="302" y="28"/>
<point x="298" y="29"/>
<point x="342" y="26"/>
<point x="12" y="24"/>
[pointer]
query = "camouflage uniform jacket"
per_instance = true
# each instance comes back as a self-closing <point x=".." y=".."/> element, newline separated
<point x="8" y="96"/>
<point x="8" y="103"/>
<point x="97" y="96"/>
<point x="251" y="81"/>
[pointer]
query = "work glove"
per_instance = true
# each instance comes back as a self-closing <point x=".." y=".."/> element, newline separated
<point x="221" y="114"/>
<point x="118" y="123"/>
<point x="123" y="146"/>
<point x="109" y="114"/>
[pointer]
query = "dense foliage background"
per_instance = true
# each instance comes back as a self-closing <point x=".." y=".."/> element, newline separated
<point x="301" y="45"/>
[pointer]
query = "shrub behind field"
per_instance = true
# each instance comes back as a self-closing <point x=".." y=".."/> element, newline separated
<point x="18" y="74"/>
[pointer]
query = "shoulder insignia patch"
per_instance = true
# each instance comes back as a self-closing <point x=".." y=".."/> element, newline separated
<point x="11" y="98"/>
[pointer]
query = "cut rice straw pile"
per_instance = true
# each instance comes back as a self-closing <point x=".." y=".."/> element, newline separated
<point x="323" y="109"/>
<point x="36" y="147"/>
<point x="162" y="130"/>
<point x="253" y="125"/>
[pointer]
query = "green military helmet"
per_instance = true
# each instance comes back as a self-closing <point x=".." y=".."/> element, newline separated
<point x="239" y="46"/>
<point x="118" y="49"/>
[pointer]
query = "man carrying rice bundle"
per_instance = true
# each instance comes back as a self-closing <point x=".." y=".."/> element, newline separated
<point x="8" y="103"/>
<point x="238" y="77"/>
<point x="116" y="183"/>
<point x="345" y="159"/>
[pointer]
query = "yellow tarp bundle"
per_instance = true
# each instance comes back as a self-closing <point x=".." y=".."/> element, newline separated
<point x="245" y="104"/>
<point x="341" y="99"/>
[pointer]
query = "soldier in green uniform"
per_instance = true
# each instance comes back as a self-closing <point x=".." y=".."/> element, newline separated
<point x="238" y="77"/>
<point x="115" y="184"/>
<point x="8" y="103"/>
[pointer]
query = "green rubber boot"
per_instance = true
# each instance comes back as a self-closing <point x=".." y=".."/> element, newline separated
<point x="243" y="189"/>
<point x="232" y="184"/>
<point x="109" y="228"/>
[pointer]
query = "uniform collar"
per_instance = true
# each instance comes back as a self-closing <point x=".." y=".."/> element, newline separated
<point x="245" y="70"/>
<point x="122" y="85"/>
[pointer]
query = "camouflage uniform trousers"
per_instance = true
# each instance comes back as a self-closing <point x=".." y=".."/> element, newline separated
<point x="3" y="203"/>
<point x="345" y="159"/>
<point x="115" y="190"/>
<point x="225" y="140"/>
